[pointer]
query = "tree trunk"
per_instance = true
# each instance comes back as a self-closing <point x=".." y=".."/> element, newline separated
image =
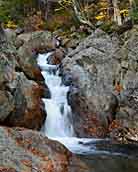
<point x="111" y="9"/>
<point x="132" y="5"/>
<point x="117" y="17"/>
<point x="3" y="40"/>
<point x="81" y="15"/>
<point x="50" y="6"/>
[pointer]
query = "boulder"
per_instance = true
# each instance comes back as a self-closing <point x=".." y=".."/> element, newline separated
<point x="20" y="97"/>
<point x="56" y="57"/>
<point x="6" y="104"/>
<point x="40" y="40"/>
<point x="33" y="43"/>
<point x="7" y="66"/>
<point x="100" y="71"/>
<point x="29" y="110"/>
<point x="28" y="64"/>
<point x="91" y="69"/>
<point x="11" y="35"/>
<point x="26" y="150"/>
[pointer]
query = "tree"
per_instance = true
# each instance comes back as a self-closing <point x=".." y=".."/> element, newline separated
<point x="132" y="5"/>
<point x="16" y="9"/>
<point x="81" y="9"/>
<point x="81" y="12"/>
<point x="3" y="40"/>
<point x="117" y="16"/>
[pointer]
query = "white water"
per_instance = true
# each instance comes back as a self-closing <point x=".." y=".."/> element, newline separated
<point x="58" y="124"/>
<point x="58" y="112"/>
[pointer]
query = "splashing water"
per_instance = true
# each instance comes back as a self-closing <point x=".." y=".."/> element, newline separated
<point x="58" y="125"/>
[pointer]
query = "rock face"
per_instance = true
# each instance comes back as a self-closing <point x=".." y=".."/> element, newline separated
<point x="106" y="163"/>
<point x="6" y="104"/>
<point x="26" y="150"/>
<point x="28" y="108"/>
<point x="33" y="43"/>
<point x="21" y="84"/>
<point x="102" y="74"/>
<point x="57" y="57"/>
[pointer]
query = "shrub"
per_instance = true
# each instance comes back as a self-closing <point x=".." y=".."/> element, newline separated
<point x="134" y="16"/>
<point x="61" y="19"/>
<point x="81" y="8"/>
<point x="108" y="27"/>
<point x="11" y="25"/>
<point x="34" y="22"/>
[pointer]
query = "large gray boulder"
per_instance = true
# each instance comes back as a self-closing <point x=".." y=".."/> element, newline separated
<point x="99" y="72"/>
<point x="26" y="150"/>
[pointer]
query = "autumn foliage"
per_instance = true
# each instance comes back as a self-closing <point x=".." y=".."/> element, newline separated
<point x="34" y="22"/>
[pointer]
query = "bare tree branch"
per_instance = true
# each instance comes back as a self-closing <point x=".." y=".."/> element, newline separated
<point x="3" y="39"/>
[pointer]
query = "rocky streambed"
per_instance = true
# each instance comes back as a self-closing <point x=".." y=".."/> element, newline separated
<point x="101" y="73"/>
<point x="21" y="91"/>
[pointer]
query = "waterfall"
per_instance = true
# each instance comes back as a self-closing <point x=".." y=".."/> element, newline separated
<point x="58" y="125"/>
<point x="58" y="122"/>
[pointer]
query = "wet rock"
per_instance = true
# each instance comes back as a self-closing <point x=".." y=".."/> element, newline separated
<point x="67" y="79"/>
<point x="44" y="91"/>
<point x="56" y="57"/>
<point x="26" y="150"/>
<point x="100" y="163"/>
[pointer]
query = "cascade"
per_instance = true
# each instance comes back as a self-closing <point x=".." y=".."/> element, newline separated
<point x="58" y="125"/>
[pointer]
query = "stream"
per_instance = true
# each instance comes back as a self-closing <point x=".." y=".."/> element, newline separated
<point x="58" y="125"/>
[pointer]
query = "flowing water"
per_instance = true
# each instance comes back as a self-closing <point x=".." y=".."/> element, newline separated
<point x="58" y="125"/>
